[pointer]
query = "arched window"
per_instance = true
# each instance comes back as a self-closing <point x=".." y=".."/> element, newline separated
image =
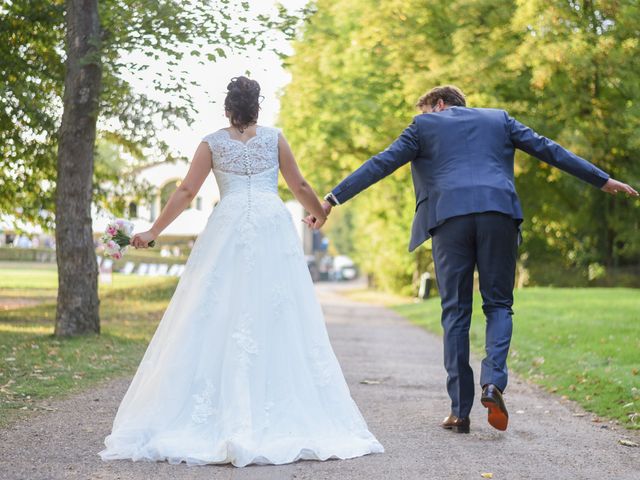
<point x="133" y="210"/>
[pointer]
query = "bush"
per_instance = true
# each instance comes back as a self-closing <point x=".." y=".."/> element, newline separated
<point x="16" y="254"/>
<point x="555" y="275"/>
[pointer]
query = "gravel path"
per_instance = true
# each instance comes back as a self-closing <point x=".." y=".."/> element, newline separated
<point x="545" y="439"/>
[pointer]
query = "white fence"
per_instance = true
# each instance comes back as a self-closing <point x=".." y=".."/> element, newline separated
<point x="149" y="269"/>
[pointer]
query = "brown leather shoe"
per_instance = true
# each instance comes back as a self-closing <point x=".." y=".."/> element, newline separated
<point x="458" y="425"/>
<point x="492" y="399"/>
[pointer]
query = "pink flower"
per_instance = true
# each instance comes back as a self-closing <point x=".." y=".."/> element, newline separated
<point x="119" y="222"/>
<point x="112" y="245"/>
<point x="117" y="255"/>
<point x="111" y="230"/>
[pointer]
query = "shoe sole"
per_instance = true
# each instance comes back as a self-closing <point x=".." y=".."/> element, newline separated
<point x="458" y="429"/>
<point x="497" y="417"/>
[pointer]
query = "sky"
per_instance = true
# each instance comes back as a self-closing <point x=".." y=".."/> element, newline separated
<point x="265" y="67"/>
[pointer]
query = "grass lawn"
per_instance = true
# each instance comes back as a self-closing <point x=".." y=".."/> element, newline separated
<point x="40" y="280"/>
<point x="34" y="365"/>
<point x="581" y="343"/>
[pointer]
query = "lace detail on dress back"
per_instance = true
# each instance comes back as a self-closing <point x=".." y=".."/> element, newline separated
<point x="258" y="154"/>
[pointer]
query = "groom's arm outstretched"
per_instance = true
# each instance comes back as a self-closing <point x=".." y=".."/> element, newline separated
<point x="400" y="152"/>
<point x="525" y="139"/>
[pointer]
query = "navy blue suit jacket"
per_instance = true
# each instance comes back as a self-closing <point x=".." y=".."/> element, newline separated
<point x="461" y="163"/>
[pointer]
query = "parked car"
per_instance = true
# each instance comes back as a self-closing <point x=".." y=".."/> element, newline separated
<point x="344" y="268"/>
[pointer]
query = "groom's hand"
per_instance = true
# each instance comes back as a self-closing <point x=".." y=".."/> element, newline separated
<point x="613" y="186"/>
<point x="314" y="223"/>
<point x="317" y="223"/>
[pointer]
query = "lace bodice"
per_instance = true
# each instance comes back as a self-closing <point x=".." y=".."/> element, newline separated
<point x="258" y="154"/>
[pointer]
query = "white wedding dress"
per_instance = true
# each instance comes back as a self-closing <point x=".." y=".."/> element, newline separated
<point x="240" y="369"/>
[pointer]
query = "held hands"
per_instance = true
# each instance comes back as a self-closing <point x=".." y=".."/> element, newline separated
<point x="316" y="223"/>
<point x="613" y="187"/>
<point x="141" y="240"/>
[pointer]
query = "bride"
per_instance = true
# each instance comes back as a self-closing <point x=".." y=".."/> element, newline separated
<point x="240" y="369"/>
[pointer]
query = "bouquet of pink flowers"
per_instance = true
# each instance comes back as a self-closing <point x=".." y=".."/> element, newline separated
<point x="117" y="237"/>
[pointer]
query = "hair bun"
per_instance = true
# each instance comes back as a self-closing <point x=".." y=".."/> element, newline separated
<point x="243" y="101"/>
<point x="244" y="85"/>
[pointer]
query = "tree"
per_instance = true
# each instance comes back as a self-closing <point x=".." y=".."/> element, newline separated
<point x="565" y="68"/>
<point x="346" y="102"/>
<point x="77" y="307"/>
<point x="31" y="85"/>
<point x="583" y="90"/>
<point x="107" y="43"/>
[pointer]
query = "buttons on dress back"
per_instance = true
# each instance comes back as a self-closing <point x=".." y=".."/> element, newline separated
<point x="247" y="167"/>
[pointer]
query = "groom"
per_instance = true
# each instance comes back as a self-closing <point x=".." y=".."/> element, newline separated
<point x="462" y="166"/>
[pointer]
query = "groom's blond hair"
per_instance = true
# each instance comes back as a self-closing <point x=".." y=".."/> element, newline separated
<point x="449" y="94"/>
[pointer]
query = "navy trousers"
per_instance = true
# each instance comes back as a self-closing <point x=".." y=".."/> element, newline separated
<point x="488" y="241"/>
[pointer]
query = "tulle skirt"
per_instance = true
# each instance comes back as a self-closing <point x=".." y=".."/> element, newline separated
<point x="240" y="369"/>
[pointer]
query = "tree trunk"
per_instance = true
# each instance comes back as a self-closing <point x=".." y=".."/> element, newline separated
<point x="77" y="309"/>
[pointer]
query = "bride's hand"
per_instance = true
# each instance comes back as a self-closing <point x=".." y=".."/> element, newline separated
<point x="318" y="223"/>
<point x="314" y="223"/>
<point x="141" y="240"/>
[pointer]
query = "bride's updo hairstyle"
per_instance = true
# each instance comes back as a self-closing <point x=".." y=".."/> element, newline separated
<point x="242" y="103"/>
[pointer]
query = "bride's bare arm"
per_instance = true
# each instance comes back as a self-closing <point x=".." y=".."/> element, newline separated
<point x="297" y="184"/>
<point x="181" y="198"/>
